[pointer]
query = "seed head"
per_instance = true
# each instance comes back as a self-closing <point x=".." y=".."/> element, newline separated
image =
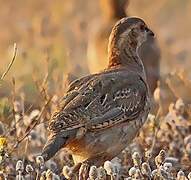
<point x="146" y="169"/>
<point x="101" y="174"/>
<point x="167" y="166"/>
<point x="181" y="175"/>
<point x="132" y="171"/>
<point x="66" y="171"/>
<point x="136" y="159"/>
<point x="93" y="173"/>
<point x="189" y="176"/>
<point x="29" y="168"/>
<point x="109" y="167"/>
<point x="19" y="166"/>
<point x="40" y="160"/>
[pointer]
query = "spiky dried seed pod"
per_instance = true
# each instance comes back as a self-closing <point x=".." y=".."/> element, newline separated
<point x="40" y="160"/>
<point x="101" y="173"/>
<point x="138" y="174"/>
<point x="83" y="171"/>
<point x="66" y="171"/>
<point x="19" y="166"/>
<point x="189" y="176"/>
<point x="109" y="167"/>
<point x="146" y="169"/>
<point x="136" y="159"/>
<point x="167" y="166"/>
<point x="132" y="171"/>
<point x="159" y="160"/>
<point x="162" y="156"/>
<point x="148" y="154"/>
<point x="93" y="174"/>
<point x="43" y="175"/>
<point x="29" y="168"/>
<point x="181" y="175"/>
<point x="154" y="172"/>
<point x="49" y="174"/>
<point x="164" y="173"/>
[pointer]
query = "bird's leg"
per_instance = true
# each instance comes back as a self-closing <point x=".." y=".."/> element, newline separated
<point x="84" y="171"/>
<point x="74" y="170"/>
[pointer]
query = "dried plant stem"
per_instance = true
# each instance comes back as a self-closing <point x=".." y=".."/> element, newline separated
<point x="31" y="127"/>
<point x="156" y="129"/>
<point x="26" y="148"/>
<point x="11" y="63"/>
<point x="37" y="173"/>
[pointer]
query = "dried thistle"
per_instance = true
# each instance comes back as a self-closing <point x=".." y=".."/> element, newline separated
<point x="109" y="167"/>
<point x="132" y="172"/>
<point x="181" y="175"/>
<point x="40" y="161"/>
<point x="43" y="175"/>
<point x="66" y="172"/>
<point x="159" y="160"/>
<point x="146" y="169"/>
<point x="19" y="168"/>
<point x="136" y="159"/>
<point x="138" y="174"/>
<point x="167" y="166"/>
<point x="49" y="175"/>
<point x="189" y="176"/>
<point x="29" y="170"/>
<point x="93" y="174"/>
<point x="101" y="173"/>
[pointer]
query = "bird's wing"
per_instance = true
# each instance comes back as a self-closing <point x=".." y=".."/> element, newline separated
<point x="101" y="101"/>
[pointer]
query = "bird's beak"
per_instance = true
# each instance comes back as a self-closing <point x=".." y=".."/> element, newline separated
<point x="149" y="32"/>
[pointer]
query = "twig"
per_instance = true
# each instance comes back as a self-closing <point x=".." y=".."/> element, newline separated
<point x="30" y="128"/>
<point x="11" y="63"/>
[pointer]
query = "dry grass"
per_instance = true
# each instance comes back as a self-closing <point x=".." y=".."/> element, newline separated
<point x="52" y="39"/>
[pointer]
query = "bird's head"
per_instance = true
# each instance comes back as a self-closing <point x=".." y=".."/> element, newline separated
<point x="129" y="33"/>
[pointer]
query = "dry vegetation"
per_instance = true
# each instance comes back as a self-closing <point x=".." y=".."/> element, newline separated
<point x="52" y="39"/>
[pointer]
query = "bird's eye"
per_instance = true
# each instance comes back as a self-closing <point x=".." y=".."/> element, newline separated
<point x="142" y="27"/>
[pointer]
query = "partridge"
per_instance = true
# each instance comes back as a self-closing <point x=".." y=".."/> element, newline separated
<point x="97" y="47"/>
<point x="102" y="113"/>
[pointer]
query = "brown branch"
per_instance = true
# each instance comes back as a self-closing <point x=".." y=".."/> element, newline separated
<point x="11" y="63"/>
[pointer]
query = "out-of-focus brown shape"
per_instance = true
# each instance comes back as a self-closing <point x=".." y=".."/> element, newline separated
<point x="179" y="85"/>
<point x="149" y="52"/>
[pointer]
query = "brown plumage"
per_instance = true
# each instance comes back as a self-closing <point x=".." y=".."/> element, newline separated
<point x="102" y="113"/>
<point x="97" y="48"/>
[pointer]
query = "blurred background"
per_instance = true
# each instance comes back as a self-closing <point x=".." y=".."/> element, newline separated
<point x="62" y="30"/>
<point x="59" y="41"/>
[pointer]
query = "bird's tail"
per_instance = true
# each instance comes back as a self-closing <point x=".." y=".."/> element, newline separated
<point x="53" y="145"/>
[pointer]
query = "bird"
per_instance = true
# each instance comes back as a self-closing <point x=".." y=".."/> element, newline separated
<point x="149" y="51"/>
<point x="102" y="113"/>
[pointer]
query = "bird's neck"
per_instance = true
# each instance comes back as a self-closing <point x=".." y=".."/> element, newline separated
<point x="126" y="57"/>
